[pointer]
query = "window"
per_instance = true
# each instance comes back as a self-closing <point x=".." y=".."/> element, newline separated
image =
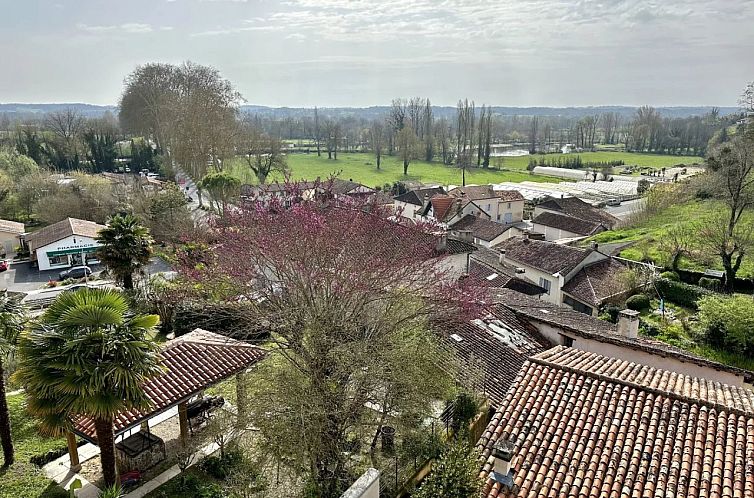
<point x="567" y="341"/>
<point x="545" y="284"/>
<point x="577" y="306"/>
<point x="509" y="205"/>
<point x="58" y="260"/>
<point x="498" y="217"/>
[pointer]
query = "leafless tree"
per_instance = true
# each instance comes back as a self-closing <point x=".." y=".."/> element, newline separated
<point x="377" y="139"/>
<point x="408" y="146"/>
<point x="262" y="152"/>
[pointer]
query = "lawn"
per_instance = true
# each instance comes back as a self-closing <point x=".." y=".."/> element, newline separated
<point x="361" y="167"/>
<point x="22" y="479"/>
<point x="647" y="234"/>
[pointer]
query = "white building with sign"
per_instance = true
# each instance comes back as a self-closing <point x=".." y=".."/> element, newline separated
<point x="70" y="242"/>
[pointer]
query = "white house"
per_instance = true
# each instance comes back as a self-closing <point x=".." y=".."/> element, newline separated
<point x="570" y="217"/>
<point x="410" y="204"/>
<point x="484" y="232"/>
<point x="501" y="206"/>
<point x="67" y="243"/>
<point x="580" y="279"/>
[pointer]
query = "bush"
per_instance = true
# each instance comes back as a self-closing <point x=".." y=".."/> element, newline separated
<point x="222" y="467"/>
<point x="464" y="410"/>
<point x="638" y="302"/>
<point x="680" y="293"/>
<point x="649" y="329"/>
<point x="708" y="283"/>
<point x="611" y="313"/>
<point x="670" y="275"/>
<point x="728" y="322"/>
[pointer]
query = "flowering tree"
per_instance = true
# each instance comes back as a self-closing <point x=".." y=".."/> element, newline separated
<point x="348" y="295"/>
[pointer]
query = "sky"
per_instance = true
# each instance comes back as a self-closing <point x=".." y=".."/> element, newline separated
<point x="367" y="52"/>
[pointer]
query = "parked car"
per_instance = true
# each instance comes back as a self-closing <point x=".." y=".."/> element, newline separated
<point x="76" y="272"/>
<point x="4" y="265"/>
<point x="613" y="202"/>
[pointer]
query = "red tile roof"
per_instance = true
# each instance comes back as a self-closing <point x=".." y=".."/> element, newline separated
<point x="569" y="223"/>
<point x="62" y="229"/>
<point x="481" y="228"/>
<point x="194" y="362"/>
<point x="495" y="346"/>
<point x="479" y="192"/>
<point x="441" y="206"/>
<point x="595" y="283"/>
<point x="12" y="227"/>
<point x="590" y="426"/>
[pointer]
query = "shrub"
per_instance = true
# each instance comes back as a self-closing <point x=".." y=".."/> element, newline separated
<point x="649" y="329"/>
<point x="455" y="474"/>
<point x="222" y="467"/>
<point x="611" y="313"/>
<point x="680" y="293"/>
<point x="728" y="322"/>
<point x="464" y="410"/>
<point x="712" y="284"/>
<point x="670" y="275"/>
<point x="638" y="302"/>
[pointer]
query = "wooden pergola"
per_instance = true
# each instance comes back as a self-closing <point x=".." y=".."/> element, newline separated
<point x="193" y="362"/>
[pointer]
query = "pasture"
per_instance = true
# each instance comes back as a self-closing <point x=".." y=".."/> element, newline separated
<point x="362" y="168"/>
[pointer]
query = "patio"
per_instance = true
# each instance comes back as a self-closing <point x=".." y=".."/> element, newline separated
<point x="193" y="362"/>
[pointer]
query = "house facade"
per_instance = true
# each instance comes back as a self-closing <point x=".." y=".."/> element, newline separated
<point x="10" y="237"/>
<point x="580" y="279"/>
<point x="501" y="206"/>
<point x="70" y="242"/>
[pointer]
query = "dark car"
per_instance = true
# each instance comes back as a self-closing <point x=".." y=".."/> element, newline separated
<point x="76" y="272"/>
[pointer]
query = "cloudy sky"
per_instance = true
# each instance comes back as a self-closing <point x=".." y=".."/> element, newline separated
<point x="365" y="52"/>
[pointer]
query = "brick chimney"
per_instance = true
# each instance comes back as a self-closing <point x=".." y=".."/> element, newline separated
<point x="442" y="243"/>
<point x="628" y="323"/>
<point x="502" y="257"/>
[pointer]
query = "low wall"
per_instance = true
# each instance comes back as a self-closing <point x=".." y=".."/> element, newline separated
<point x="366" y="486"/>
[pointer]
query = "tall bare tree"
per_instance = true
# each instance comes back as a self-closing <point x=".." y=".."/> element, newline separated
<point x="263" y="153"/>
<point x="377" y="139"/>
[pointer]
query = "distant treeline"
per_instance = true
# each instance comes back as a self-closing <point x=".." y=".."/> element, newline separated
<point x="573" y="162"/>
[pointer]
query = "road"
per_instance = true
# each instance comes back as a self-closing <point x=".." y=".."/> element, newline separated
<point x="626" y="208"/>
<point x="22" y="277"/>
<point x="189" y="188"/>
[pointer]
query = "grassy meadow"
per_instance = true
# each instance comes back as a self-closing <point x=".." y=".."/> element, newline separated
<point x="362" y="168"/>
<point x="646" y="233"/>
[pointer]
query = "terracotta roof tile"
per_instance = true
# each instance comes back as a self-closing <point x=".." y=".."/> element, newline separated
<point x="193" y="362"/>
<point x="582" y="325"/>
<point x="569" y="223"/>
<point x="594" y="283"/>
<point x="592" y="426"/>
<point x="62" y="229"/>
<point x="573" y="206"/>
<point x="481" y="228"/>
<point x="12" y="227"/>
<point x="546" y="256"/>
<point x="416" y="197"/>
<point x="495" y="345"/>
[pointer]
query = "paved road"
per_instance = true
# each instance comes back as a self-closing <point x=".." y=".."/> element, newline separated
<point x="22" y="277"/>
<point x="626" y="208"/>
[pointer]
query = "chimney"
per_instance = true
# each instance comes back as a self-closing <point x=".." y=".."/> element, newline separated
<point x="459" y="206"/>
<point x="442" y="243"/>
<point x="502" y="257"/>
<point x="628" y="323"/>
<point x="426" y="200"/>
<point x="502" y="453"/>
<point x="595" y="245"/>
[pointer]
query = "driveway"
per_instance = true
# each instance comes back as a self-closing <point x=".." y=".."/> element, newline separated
<point x="22" y="277"/>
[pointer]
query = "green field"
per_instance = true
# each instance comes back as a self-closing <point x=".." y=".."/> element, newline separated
<point x="645" y="237"/>
<point x="361" y="167"/>
<point x="22" y="479"/>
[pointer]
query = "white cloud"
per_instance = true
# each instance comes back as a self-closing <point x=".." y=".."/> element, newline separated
<point x="130" y="28"/>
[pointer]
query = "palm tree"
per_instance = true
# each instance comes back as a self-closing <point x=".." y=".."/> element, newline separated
<point x="88" y="355"/>
<point x="11" y="324"/>
<point x="125" y="246"/>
